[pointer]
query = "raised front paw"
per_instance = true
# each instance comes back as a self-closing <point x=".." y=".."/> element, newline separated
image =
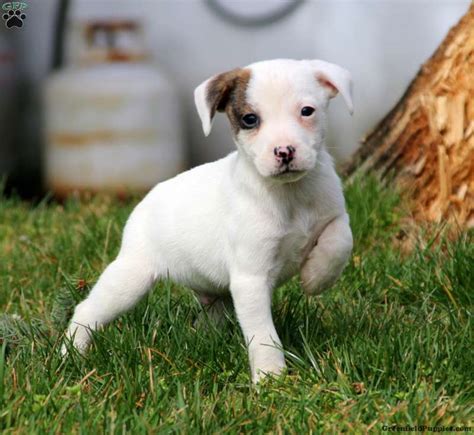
<point x="320" y="272"/>
<point x="315" y="280"/>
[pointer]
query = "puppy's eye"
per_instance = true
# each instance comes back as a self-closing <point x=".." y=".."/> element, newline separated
<point x="307" y="111"/>
<point x="250" y="120"/>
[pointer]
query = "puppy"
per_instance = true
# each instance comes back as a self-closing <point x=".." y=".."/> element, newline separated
<point x="248" y="222"/>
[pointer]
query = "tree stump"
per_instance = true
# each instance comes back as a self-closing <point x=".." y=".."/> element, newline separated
<point x="426" y="142"/>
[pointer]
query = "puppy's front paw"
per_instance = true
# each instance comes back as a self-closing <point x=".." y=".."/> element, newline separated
<point x="269" y="362"/>
<point x="319" y="274"/>
<point x="263" y="373"/>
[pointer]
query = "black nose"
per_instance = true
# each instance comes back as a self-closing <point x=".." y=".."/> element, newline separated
<point x="284" y="154"/>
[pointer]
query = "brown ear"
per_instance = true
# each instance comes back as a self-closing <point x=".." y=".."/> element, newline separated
<point x="213" y="95"/>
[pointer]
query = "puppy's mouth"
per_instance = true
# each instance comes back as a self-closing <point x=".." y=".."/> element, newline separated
<point x="288" y="174"/>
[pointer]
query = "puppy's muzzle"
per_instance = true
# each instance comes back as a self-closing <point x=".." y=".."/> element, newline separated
<point x="284" y="155"/>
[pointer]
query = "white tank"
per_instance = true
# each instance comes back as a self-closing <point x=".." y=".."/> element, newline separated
<point x="112" y="119"/>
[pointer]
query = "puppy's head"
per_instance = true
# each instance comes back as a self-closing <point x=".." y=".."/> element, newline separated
<point x="277" y="111"/>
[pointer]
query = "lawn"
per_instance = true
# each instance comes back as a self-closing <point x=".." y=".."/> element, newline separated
<point x="390" y="344"/>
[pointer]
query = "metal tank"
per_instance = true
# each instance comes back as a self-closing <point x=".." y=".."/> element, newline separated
<point x="112" y="119"/>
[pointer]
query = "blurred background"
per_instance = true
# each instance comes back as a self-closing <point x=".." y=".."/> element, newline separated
<point x="98" y="94"/>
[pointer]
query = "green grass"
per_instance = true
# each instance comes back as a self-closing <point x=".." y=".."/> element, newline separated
<point x="391" y="344"/>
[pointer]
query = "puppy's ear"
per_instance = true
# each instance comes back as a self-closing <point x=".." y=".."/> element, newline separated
<point x="213" y="95"/>
<point x="335" y="79"/>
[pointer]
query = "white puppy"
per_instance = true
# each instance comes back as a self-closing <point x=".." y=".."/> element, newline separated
<point x="248" y="222"/>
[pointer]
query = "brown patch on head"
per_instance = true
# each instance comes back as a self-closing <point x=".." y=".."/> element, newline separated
<point x="227" y="93"/>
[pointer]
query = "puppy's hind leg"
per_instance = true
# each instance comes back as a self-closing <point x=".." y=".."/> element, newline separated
<point x="124" y="282"/>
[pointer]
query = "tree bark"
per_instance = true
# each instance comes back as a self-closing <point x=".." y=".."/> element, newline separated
<point x="426" y="142"/>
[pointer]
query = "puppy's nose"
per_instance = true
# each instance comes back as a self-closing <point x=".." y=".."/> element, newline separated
<point x="284" y="154"/>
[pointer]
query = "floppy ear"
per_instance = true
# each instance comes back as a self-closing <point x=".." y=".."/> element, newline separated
<point x="213" y="95"/>
<point x="335" y="79"/>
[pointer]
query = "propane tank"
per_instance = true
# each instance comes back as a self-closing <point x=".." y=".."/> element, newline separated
<point x="112" y="119"/>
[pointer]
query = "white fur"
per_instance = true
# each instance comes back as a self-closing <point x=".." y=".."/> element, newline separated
<point x="238" y="224"/>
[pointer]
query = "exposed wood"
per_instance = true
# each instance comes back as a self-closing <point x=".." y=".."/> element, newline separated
<point x="426" y="142"/>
